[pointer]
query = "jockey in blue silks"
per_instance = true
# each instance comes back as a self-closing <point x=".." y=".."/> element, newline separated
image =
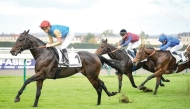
<point x="170" y="43"/>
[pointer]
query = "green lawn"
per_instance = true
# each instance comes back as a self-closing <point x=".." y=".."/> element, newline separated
<point x="76" y="92"/>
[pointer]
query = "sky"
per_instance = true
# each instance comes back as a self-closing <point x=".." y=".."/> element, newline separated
<point x="153" y="17"/>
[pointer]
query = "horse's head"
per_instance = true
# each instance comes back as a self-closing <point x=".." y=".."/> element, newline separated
<point x="103" y="48"/>
<point x="20" y="44"/>
<point x="187" y="51"/>
<point x="141" y="55"/>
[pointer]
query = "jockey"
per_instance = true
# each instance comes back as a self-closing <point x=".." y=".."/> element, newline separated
<point x="132" y="40"/>
<point x="169" y="43"/>
<point x="63" y="34"/>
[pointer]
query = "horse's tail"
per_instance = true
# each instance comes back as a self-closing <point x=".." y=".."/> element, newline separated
<point x="111" y="62"/>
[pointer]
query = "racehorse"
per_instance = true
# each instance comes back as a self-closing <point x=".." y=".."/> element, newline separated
<point x="126" y="62"/>
<point x="46" y="66"/>
<point x="165" y="63"/>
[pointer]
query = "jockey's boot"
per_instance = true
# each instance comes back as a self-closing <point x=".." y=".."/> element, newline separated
<point x="135" y="51"/>
<point x="131" y="53"/>
<point x="65" y="55"/>
<point x="175" y="53"/>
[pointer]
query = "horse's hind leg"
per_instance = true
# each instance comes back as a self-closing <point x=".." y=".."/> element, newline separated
<point x="101" y="84"/>
<point x="98" y="88"/>
<point x="38" y="91"/>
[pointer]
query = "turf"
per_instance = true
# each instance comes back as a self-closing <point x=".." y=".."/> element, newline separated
<point x="76" y="92"/>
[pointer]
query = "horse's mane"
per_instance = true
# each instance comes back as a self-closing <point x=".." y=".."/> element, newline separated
<point x="37" y="39"/>
<point x="111" y="45"/>
<point x="150" y="48"/>
<point x="50" y="48"/>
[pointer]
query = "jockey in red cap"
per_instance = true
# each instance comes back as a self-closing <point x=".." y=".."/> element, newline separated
<point x="63" y="34"/>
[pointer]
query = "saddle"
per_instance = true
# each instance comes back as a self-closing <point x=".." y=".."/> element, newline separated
<point x="180" y="58"/>
<point x="74" y="59"/>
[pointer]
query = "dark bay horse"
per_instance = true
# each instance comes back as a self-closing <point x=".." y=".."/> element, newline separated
<point x="165" y="63"/>
<point x="47" y="64"/>
<point x="126" y="62"/>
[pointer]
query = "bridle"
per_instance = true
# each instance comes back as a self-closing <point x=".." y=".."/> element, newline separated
<point x="22" y="46"/>
<point x="106" y="49"/>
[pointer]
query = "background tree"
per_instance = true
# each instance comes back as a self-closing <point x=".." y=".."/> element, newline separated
<point x="108" y="33"/>
<point x="143" y="36"/>
<point x="89" y="38"/>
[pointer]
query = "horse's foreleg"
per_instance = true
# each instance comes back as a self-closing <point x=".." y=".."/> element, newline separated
<point x="101" y="84"/>
<point x="142" y="84"/>
<point x="120" y="77"/>
<point x="39" y="85"/>
<point x="157" y="84"/>
<point x="164" y="80"/>
<point x="130" y="76"/>
<point x="17" y="98"/>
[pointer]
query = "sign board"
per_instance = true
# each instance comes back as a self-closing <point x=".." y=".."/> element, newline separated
<point x="7" y="64"/>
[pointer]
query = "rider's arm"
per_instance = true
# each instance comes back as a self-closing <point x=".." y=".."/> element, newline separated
<point x="160" y="45"/>
<point x="50" y="39"/>
<point x="166" y="46"/>
<point x="127" y="41"/>
<point x="58" y="35"/>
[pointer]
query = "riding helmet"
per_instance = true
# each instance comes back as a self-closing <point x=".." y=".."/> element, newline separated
<point x="45" y="24"/>
<point x="162" y="38"/>
<point x="123" y="32"/>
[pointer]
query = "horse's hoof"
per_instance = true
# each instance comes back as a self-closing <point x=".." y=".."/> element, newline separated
<point x="162" y="85"/>
<point x="141" y="87"/>
<point x="98" y="104"/>
<point x="167" y="80"/>
<point x="17" y="100"/>
<point x="114" y="93"/>
<point x="147" y="90"/>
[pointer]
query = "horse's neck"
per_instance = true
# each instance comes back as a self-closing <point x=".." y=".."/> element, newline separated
<point x="151" y="53"/>
<point x="117" y="55"/>
<point x="112" y="53"/>
<point x="35" y="44"/>
<point x="148" y="51"/>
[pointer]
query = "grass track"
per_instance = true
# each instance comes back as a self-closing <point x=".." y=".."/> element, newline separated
<point x="76" y="92"/>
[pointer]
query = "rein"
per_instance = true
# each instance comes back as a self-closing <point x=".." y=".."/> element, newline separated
<point x="113" y="51"/>
<point x="38" y="47"/>
<point x="152" y="53"/>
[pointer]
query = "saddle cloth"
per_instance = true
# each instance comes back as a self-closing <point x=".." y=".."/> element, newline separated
<point x="74" y="59"/>
<point x="180" y="58"/>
